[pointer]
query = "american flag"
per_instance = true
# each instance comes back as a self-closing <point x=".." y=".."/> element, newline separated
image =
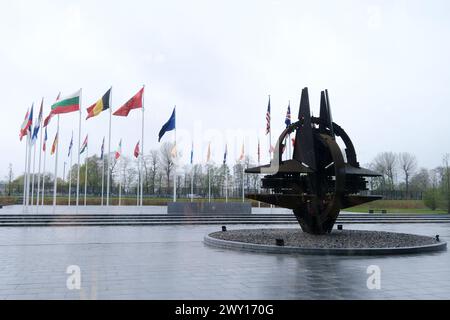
<point x="287" y="121"/>
<point x="268" y="118"/>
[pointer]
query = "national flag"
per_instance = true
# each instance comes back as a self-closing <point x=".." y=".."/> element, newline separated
<point x="55" y="143"/>
<point x="268" y="118"/>
<point x="85" y="144"/>
<point x="29" y="123"/>
<point x="102" y="149"/>
<point x="134" y="103"/>
<point x="242" y="156"/>
<point x="119" y="150"/>
<point x="287" y="121"/>
<point x="225" y="154"/>
<point x="136" y="150"/>
<point x="44" y="146"/>
<point x="101" y="105"/>
<point x="67" y="104"/>
<point x="70" y="146"/>
<point x="38" y="124"/>
<point x="192" y="153"/>
<point x="168" y="126"/>
<point x="49" y="117"/>
<point x="23" y="131"/>
<point x="208" y="154"/>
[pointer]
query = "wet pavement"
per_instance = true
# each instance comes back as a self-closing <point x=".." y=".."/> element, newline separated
<point x="171" y="262"/>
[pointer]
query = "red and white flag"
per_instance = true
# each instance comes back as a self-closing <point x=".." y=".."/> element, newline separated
<point x="136" y="150"/>
<point x="119" y="150"/>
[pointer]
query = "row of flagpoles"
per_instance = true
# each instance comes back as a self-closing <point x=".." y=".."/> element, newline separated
<point x="72" y="103"/>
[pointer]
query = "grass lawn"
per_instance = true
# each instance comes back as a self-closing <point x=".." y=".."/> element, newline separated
<point x="392" y="206"/>
<point x="395" y="206"/>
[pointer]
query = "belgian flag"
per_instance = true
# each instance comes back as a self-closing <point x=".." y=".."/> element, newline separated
<point x="101" y="105"/>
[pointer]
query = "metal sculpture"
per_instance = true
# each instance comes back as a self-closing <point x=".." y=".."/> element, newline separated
<point x="318" y="181"/>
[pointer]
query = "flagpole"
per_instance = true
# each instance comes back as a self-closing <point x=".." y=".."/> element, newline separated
<point x="209" y="183"/>
<point x="103" y="173"/>
<point x="243" y="185"/>
<point x="34" y="170"/>
<point x="29" y="170"/>
<point x="70" y="173"/>
<point x="142" y="151"/>
<point x="120" y="188"/>
<point x="270" y="132"/>
<point x="108" y="178"/>
<point x="138" y="182"/>
<point x="55" y="183"/>
<point x="85" y="172"/>
<point x="226" y="182"/>
<point x="25" y="174"/>
<point x="43" y="174"/>
<point x="39" y="163"/>
<point x="192" y="183"/>
<point x="79" y="144"/>
<point x="175" y="167"/>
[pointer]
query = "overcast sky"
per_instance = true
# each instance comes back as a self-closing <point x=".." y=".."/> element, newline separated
<point x="385" y="64"/>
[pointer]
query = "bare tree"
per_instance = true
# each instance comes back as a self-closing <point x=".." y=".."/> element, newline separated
<point x="446" y="179"/>
<point x="386" y="164"/>
<point x="153" y="167"/>
<point x="10" y="178"/>
<point x="167" y="161"/>
<point x="420" y="181"/>
<point x="408" y="164"/>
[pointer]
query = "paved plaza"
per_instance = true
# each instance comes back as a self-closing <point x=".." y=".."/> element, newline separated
<point x="172" y="262"/>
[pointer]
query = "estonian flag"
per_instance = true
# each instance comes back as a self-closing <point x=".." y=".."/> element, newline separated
<point x="168" y="126"/>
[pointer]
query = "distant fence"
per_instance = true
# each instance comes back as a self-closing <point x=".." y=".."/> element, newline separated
<point x="201" y="192"/>
<point x="396" y="194"/>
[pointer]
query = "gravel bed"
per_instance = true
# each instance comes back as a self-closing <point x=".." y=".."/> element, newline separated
<point x="347" y="239"/>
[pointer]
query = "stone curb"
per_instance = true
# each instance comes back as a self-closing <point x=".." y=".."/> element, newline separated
<point x="252" y="247"/>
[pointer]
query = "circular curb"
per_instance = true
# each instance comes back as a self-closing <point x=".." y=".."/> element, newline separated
<point x="252" y="247"/>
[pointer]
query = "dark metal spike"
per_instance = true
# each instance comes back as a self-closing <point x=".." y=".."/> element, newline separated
<point x="325" y="114"/>
<point x="329" y="112"/>
<point x="304" y="143"/>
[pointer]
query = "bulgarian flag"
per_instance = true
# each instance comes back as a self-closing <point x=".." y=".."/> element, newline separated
<point x="67" y="104"/>
<point x="119" y="150"/>
<point x="55" y="143"/>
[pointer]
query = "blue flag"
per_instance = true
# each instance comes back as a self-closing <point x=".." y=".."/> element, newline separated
<point x="70" y="146"/>
<point x="168" y="126"/>
<point x="192" y="153"/>
<point x="287" y="121"/>
<point x="225" y="154"/>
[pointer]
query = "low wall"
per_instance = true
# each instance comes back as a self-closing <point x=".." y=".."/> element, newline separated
<point x="209" y="208"/>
